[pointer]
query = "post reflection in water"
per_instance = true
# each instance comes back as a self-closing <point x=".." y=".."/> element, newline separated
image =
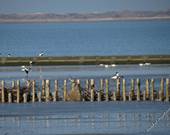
<point x="106" y="122"/>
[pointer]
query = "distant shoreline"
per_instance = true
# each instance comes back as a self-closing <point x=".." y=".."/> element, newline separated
<point x="83" y="17"/>
<point x="82" y="20"/>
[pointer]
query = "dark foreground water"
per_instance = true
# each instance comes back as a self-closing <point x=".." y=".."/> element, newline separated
<point x="87" y="118"/>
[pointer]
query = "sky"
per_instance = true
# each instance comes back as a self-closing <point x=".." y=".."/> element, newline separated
<point x="79" y="6"/>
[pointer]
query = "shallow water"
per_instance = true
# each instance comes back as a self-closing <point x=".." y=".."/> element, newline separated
<point x="85" y="118"/>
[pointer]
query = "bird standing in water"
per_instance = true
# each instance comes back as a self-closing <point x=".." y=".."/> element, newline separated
<point x="27" y="69"/>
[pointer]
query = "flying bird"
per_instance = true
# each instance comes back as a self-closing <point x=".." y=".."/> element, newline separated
<point x="41" y="54"/>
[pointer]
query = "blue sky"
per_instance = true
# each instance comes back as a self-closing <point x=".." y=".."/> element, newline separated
<point x="70" y="6"/>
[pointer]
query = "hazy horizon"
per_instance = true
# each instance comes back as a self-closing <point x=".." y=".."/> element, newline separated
<point x="81" y="6"/>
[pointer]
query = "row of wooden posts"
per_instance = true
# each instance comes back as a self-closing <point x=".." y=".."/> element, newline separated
<point x="29" y="93"/>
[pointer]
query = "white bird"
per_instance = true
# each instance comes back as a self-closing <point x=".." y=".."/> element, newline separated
<point x="9" y="55"/>
<point x="106" y="66"/>
<point x="141" y="64"/>
<point x="147" y="64"/>
<point x="113" y="65"/>
<point x="116" y="76"/>
<point x="101" y="65"/>
<point x="27" y="69"/>
<point x="41" y="54"/>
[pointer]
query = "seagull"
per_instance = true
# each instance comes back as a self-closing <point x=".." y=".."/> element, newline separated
<point x="116" y="76"/>
<point x="113" y="65"/>
<point x="141" y="64"/>
<point x="41" y="54"/>
<point x="147" y="64"/>
<point x="9" y="55"/>
<point x="106" y="66"/>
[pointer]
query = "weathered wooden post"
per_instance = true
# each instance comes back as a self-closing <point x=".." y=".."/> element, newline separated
<point x="92" y="90"/>
<point x="167" y="89"/>
<point x="101" y="91"/>
<point x="124" y="90"/>
<point x="43" y="89"/>
<point x="9" y="97"/>
<point x="18" y="91"/>
<point x="25" y="98"/>
<point x="65" y="90"/>
<point x="47" y="90"/>
<point x="99" y="96"/>
<point x="107" y="89"/>
<point x="152" y="90"/>
<point x="132" y="94"/>
<point x="138" y="89"/>
<point x="55" y="96"/>
<point x="147" y="90"/>
<point x="144" y="95"/>
<point x="118" y="89"/>
<point x="161" y="92"/>
<point x="13" y="85"/>
<point x="114" y="96"/>
<point x="39" y="96"/>
<point x="33" y="91"/>
<point x="79" y="89"/>
<point x="2" y="91"/>
<point x="87" y="85"/>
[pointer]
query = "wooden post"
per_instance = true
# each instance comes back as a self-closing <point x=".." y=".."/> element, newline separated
<point x="124" y="90"/>
<point x="92" y="90"/>
<point x="13" y="84"/>
<point x="9" y="97"/>
<point x="161" y="92"/>
<point x="114" y="96"/>
<point x="65" y="90"/>
<point x="147" y="90"/>
<point x="25" y="97"/>
<point x="132" y="94"/>
<point x="18" y="91"/>
<point x="43" y="89"/>
<point x="167" y="89"/>
<point x="2" y="91"/>
<point x="33" y="91"/>
<point x="101" y="90"/>
<point x="152" y="90"/>
<point x="99" y="96"/>
<point x="39" y="96"/>
<point x="118" y="89"/>
<point x="79" y="89"/>
<point x="47" y="90"/>
<point x="13" y="87"/>
<point x="87" y="85"/>
<point x="138" y="89"/>
<point x="107" y="89"/>
<point x="55" y="96"/>
<point x="144" y="95"/>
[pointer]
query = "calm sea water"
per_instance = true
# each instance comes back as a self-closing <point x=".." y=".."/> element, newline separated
<point x="71" y="39"/>
<point x="85" y="118"/>
<point x="98" y="38"/>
